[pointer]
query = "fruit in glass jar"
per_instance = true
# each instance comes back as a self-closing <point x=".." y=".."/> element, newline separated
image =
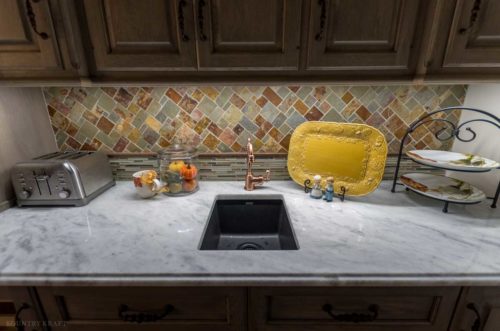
<point x="176" y="165"/>
<point x="175" y="187"/>
<point x="172" y="177"/>
<point x="189" y="185"/>
<point x="189" y="171"/>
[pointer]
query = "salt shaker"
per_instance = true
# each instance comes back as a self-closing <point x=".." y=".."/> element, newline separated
<point x="316" y="192"/>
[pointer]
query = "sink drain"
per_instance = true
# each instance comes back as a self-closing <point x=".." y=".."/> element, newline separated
<point x="249" y="246"/>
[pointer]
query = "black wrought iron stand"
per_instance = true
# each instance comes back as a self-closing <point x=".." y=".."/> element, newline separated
<point x="454" y="131"/>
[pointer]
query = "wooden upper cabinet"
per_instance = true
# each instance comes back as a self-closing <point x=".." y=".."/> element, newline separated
<point x="359" y="36"/>
<point x="21" y="48"/>
<point x="248" y="35"/>
<point x="470" y="38"/>
<point x="142" y="36"/>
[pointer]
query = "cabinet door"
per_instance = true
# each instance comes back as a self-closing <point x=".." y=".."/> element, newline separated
<point x="478" y="309"/>
<point x="146" y="35"/>
<point x="470" y="38"/>
<point x="21" y="48"/>
<point x="359" y="36"/>
<point x="248" y="35"/>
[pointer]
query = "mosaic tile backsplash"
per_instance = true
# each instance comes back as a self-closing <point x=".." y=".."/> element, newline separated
<point x="220" y="119"/>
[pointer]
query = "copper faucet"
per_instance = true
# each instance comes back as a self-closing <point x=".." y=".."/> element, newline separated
<point x="250" y="180"/>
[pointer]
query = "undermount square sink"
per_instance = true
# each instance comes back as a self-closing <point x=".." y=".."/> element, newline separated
<point x="248" y="222"/>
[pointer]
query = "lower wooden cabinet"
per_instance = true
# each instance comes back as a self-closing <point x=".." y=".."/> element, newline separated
<point x="146" y="308"/>
<point x="478" y="310"/>
<point x="254" y="309"/>
<point x="374" y="309"/>
<point x="19" y="310"/>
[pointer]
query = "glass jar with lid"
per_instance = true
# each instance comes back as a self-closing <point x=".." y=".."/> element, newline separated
<point x="178" y="169"/>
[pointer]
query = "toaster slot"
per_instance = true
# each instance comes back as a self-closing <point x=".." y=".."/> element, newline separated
<point x="66" y="155"/>
<point x="48" y="156"/>
<point x="42" y="182"/>
<point x="79" y="155"/>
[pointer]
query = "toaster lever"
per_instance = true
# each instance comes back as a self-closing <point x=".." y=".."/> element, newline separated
<point x="42" y="178"/>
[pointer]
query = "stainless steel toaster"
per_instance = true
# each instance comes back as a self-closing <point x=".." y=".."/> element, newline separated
<point x="62" y="178"/>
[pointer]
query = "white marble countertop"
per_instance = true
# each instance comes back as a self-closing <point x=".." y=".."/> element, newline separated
<point x="380" y="239"/>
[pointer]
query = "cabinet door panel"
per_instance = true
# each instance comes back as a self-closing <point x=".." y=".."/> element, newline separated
<point x="362" y="35"/>
<point x="129" y="35"/>
<point x="493" y="322"/>
<point x="20" y="47"/>
<point x="353" y="309"/>
<point x="116" y="308"/>
<point x="249" y="35"/>
<point x="478" y="306"/>
<point x="474" y="39"/>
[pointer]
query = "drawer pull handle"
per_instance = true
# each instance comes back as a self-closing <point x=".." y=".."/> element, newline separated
<point x="476" y="326"/>
<point x="352" y="317"/>
<point x="132" y="316"/>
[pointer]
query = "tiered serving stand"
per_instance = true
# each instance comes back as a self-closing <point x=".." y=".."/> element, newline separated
<point x="462" y="132"/>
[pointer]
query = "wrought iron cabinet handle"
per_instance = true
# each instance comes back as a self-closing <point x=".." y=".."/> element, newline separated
<point x="17" y="318"/>
<point x="370" y="316"/>
<point x="476" y="326"/>
<point x="32" y="19"/>
<point x="180" y="18"/>
<point x="132" y="316"/>
<point x="322" y="20"/>
<point x="201" y="20"/>
<point x="474" y="13"/>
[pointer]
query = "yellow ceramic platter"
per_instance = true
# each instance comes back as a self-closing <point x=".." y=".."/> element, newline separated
<point x="353" y="154"/>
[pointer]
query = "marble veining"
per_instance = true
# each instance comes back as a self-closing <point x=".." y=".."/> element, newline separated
<point x="382" y="238"/>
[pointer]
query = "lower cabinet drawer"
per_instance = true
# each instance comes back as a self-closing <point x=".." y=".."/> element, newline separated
<point x="374" y="309"/>
<point x="145" y="308"/>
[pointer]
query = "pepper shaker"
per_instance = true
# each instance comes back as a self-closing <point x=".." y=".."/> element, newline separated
<point x="329" y="190"/>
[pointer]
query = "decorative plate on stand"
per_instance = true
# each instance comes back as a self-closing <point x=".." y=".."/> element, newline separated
<point x="443" y="188"/>
<point x="452" y="160"/>
<point x="353" y="154"/>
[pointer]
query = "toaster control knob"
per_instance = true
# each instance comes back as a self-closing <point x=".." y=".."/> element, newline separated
<point x="24" y="194"/>
<point x="64" y="194"/>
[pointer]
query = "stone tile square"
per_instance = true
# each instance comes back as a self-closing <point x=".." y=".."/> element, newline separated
<point x="272" y="96"/>
<point x="313" y="115"/>
<point x="105" y="125"/>
<point x="123" y="97"/>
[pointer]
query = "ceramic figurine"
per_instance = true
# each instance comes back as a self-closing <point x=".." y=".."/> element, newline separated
<point x="316" y="192"/>
<point x="329" y="190"/>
